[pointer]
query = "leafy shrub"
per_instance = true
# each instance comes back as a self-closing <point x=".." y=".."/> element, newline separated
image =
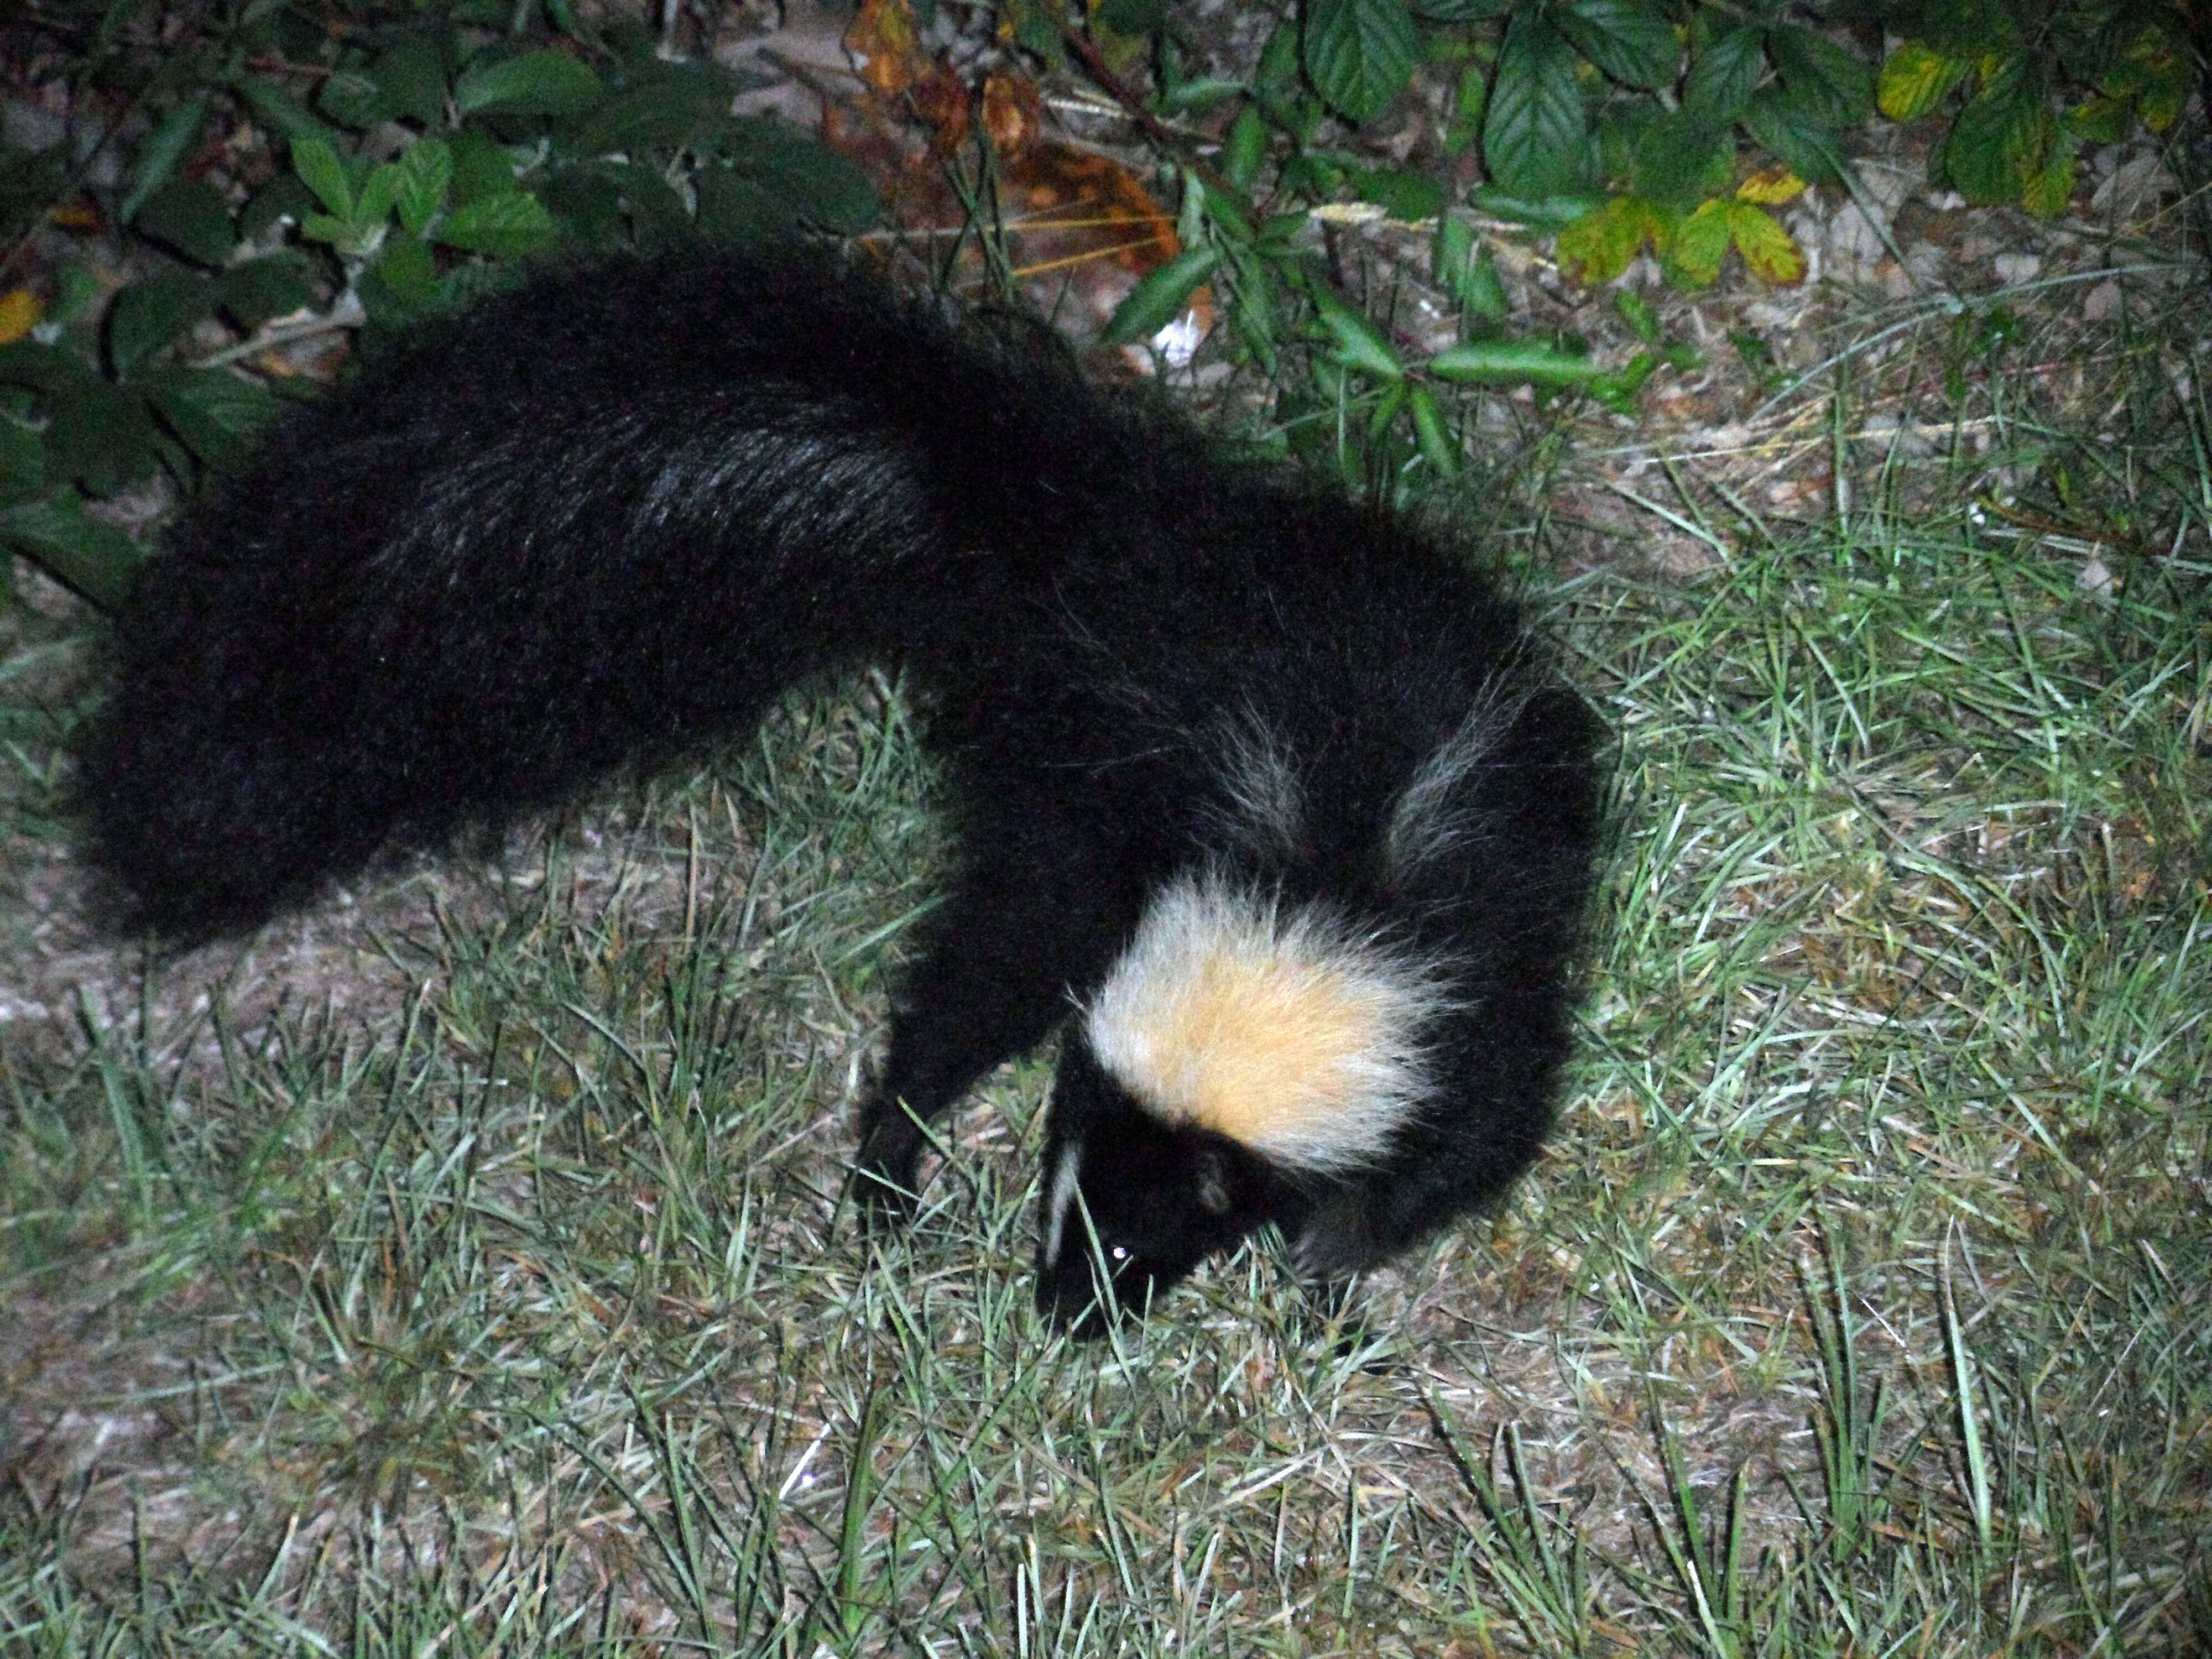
<point x="426" y="148"/>
<point x="426" y="156"/>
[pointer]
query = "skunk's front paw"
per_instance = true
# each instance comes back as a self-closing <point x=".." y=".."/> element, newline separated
<point x="885" y="1184"/>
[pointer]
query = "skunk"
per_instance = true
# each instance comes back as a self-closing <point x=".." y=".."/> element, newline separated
<point x="1262" y="795"/>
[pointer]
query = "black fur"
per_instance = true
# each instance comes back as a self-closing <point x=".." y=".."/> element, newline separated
<point x="603" y="521"/>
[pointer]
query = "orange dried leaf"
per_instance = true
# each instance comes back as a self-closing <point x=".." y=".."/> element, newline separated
<point x="1102" y="210"/>
<point x="19" y="311"/>
<point x="1013" y="112"/>
<point x="884" y="46"/>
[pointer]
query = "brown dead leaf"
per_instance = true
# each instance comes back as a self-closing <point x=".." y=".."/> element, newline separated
<point x="884" y="47"/>
<point x="1094" y="200"/>
<point x="940" y="98"/>
<point x="1013" y="112"/>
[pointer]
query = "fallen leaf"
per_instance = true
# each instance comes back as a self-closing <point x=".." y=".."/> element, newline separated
<point x="1013" y="112"/>
<point x="19" y="311"/>
<point x="884" y="45"/>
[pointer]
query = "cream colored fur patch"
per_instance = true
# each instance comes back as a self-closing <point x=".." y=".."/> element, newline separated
<point x="1280" y="1031"/>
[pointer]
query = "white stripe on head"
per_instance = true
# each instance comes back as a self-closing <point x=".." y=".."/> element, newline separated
<point x="1432" y="819"/>
<point x="1064" y="1173"/>
<point x="1266" y="806"/>
<point x="1289" y="1034"/>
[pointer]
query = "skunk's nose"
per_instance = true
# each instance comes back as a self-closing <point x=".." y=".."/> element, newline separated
<point x="1075" y="1297"/>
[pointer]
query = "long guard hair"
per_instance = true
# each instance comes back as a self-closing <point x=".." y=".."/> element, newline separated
<point x="1261" y="795"/>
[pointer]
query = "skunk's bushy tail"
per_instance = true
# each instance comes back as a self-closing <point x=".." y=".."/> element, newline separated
<point x="596" y="521"/>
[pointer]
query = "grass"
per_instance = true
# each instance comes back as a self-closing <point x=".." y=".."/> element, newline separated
<point x="1860" y="1307"/>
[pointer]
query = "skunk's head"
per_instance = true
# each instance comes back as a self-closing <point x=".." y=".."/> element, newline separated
<point x="1144" y="1200"/>
<point x="1237" y="1063"/>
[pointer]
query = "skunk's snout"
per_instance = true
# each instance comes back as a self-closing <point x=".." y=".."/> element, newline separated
<point x="1085" y="1293"/>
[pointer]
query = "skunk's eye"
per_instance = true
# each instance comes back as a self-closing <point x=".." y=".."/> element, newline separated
<point x="1119" y="1253"/>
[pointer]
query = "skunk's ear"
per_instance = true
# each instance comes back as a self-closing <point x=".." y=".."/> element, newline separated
<point x="1210" y="1182"/>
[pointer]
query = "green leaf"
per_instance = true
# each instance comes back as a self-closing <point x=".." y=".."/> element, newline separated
<point x="653" y="215"/>
<point x="354" y="102"/>
<point x="22" y="462"/>
<point x="220" y="416"/>
<point x="283" y="198"/>
<point x="1724" y="76"/>
<point x="821" y="185"/>
<point x="1466" y="269"/>
<point x="263" y="289"/>
<point x="402" y="280"/>
<point x="736" y="211"/>
<point x="46" y="368"/>
<point x="667" y="112"/>
<point x="1360" y="344"/>
<point x="542" y="82"/>
<point x="1512" y="362"/>
<point x="2100" y="120"/>
<point x="1617" y="389"/>
<point x="1535" y="134"/>
<point x="1408" y="197"/>
<point x="412" y="76"/>
<point x="1245" y="149"/>
<point x="99" y="436"/>
<point x="1696" y="246"/>
<point x="163" y="151"/>
<point x="1809" y="149"/>
<point x="2046" y="189"/>
<point x="1462" y="11"/>
<point x="1631" y="40"/>
<point x="1827" y="86"/>
<point x="1469" y="98"/>
<point x="426" y="169"/>
<point x="1677" y="162"/>
<point x="1359" y="53"/>
<point x="190" y="217"/>
<point x="1139" y="18"/>
<point x="93" y="559"/>
<point x="1436" y="446"/>
<point x="1635" y="311"/>
<point x="1544" y="213"/>
<point x="1767" y="249"/>
<point x="1599" y="246"/>
<point x="374" y="204"/>
<point x="276" y="108"/>
<point x="480" y="169"/>
<point x="1987" y="152"/>
<point x="1914" y="80"/>
<point x="1160" y="298"/>
<point x="154" y="313"/>
<point x="504" y="226"/>
<point x="316" y="161"/>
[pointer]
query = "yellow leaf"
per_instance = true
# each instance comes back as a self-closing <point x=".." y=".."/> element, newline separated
<point x="1598" y="246"/>
<point x="2165" y="83"/>
<point x="1696" y="246"/>
<point x="2046" y="192"/>
<point x="1765" y="246"/>
<point x="1770" y="188"/>
<point x="1914" y="79"/>
<point x="18" y="311"/>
